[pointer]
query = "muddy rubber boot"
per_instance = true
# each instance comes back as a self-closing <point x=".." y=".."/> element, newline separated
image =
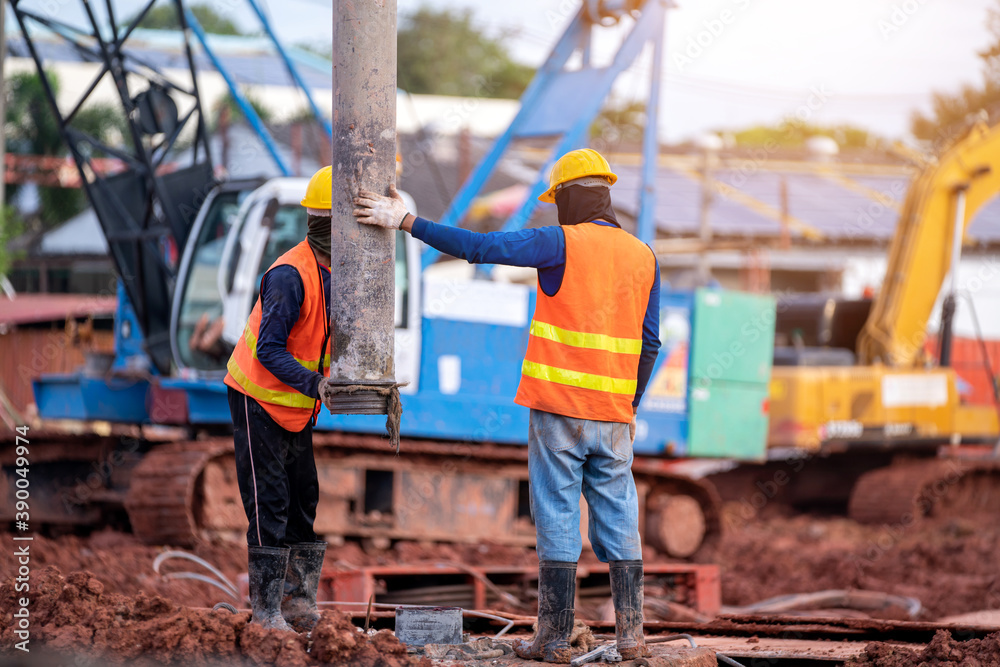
<point x="556" y="597"/>
<point x="626" y="592"/>
<point x="266" y="572"/>
<point x="305" y="562"/>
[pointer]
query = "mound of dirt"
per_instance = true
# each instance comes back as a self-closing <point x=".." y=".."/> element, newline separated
<point x="125" y="565"/>
<point x="950" y="566"/>
<point x="947" y="565"/>
<point x="74" y="615"/>
<point x="943" y="651"/>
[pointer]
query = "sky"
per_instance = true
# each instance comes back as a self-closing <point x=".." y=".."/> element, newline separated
<point x="734" y="63"/>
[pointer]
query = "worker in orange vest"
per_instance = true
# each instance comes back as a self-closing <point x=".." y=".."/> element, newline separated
<point x="274" y="377"/>
<point x="591" y="348"/>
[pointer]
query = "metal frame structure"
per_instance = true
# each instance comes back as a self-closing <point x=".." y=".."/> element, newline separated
<point x="151" y="201"/>
<point x="248" y="111"/>
<point x="561" y="104"/>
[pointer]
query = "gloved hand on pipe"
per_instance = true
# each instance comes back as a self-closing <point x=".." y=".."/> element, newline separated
<point x="321" y="388"/>
<point x="388" y="212"/>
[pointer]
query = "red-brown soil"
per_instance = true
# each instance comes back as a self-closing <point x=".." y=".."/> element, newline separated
<point x="74" y="615"/>
<point x="125" y="565"/>
<point x="950" y="566"/>
<point x="943" y="651"/>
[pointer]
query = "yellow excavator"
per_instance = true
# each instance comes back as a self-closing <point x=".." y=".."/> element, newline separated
<point x="891" y="399"/>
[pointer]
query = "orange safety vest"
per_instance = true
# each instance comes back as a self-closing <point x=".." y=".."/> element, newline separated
<point x="584" y="342"/>
<point x="306" y="342"/>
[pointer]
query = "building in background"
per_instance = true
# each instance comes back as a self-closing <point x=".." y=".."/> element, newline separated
<point x="783" y="221"/>
<point x="49" y="333"/>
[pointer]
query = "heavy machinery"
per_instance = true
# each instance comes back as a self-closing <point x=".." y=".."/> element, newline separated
<point x="855" y="399"/>
<point x="461" y="474"/>
<point x="861" y="396"/>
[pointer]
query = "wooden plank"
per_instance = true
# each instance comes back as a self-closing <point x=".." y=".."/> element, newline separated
<point x="769" y="648"/>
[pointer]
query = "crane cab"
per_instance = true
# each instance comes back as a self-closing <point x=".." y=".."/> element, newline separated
<point x="237" y="236"/>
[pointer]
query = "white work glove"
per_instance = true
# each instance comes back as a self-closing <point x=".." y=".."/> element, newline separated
<point x="373" y="209"/>
<point x="631" y="429"/>
<point x="321" y="388"/>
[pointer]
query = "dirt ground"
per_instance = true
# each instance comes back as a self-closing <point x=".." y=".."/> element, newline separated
<point x="100" y="592"/>
<point x="75" y="615"/>
<point x="943" y="651"/>
<point x="952" y="567"/>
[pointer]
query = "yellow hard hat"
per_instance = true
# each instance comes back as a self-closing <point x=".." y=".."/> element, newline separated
<point x="576" y="164"/>
<point x="319" y="192"/>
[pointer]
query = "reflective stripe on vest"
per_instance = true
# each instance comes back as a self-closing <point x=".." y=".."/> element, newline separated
<point x="588" y="340"/>
<point x="291" y="409"/>
<point x="584" y="342"/>
<point x="578" y="379"/>
<point x="251" y="388"/>
<point x="251" y="341"/>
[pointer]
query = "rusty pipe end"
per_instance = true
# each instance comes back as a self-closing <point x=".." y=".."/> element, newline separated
<point x="356" y="397"/>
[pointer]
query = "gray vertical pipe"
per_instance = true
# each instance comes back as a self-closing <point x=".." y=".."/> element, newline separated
<point x="362" y="289"/>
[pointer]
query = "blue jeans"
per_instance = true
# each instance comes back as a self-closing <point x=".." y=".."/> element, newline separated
<point x="567" y="455"/>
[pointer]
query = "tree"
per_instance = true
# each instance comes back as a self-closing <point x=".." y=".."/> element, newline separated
<point x="953" y="113"/>
<point x="32" y="129"/>
<point x="794" y="134"/>
<point x="11" y="227"/>
<point x="620" y="123"/>
<point x="441" y="52"/>
<point x="164" y="17"/>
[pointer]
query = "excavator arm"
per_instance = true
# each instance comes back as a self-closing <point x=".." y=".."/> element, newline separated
<point x="941" y="202"/>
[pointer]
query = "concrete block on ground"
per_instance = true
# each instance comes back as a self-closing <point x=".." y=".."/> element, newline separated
<point x="676" y="656"/>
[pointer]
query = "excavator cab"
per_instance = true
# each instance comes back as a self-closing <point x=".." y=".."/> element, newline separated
<point x="818" y="330"/>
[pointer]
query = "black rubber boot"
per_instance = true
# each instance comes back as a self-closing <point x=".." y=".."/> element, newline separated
<point x="305" y="562"/>
<point x="626" y="592"/>
<point x="556" y="598"/>
<point x="266" y="569"/>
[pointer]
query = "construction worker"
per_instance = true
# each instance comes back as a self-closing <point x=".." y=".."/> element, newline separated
<point x="592" y="344"/>
<point x="275" y="374"/>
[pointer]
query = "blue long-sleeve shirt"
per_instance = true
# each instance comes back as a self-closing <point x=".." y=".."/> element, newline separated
<point x="543" y="248"/>
<point x="281" y="296"/>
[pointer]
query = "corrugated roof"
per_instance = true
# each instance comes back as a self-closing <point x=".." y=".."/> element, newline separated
<point x="80" y="235"/>
<point x="839" y="205"/>
<point x="34" y="308"/>
<point x="250" y="60"/>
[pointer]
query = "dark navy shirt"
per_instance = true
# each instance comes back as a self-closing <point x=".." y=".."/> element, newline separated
<point x="281" y="296"/>
<point x="543" y="248"/>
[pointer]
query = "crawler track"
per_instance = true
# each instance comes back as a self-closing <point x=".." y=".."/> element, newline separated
<point x="166" y="489"/>
<point x="184" y="492"/>
<point x="908" y="491"/>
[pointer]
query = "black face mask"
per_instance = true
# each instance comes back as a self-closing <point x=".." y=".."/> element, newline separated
<point x="319" y="234"/>
<point x="579" y="203"/>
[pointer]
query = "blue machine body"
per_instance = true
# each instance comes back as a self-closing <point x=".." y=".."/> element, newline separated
<point x="117" y="393"/>
<point x="468" y="377"/>
<point x="469" y="361"/>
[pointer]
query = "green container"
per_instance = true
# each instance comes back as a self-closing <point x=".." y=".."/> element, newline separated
<point x="732" y="348"/>
<point x="728" y="420"/>
<point x="732" y="336"/>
